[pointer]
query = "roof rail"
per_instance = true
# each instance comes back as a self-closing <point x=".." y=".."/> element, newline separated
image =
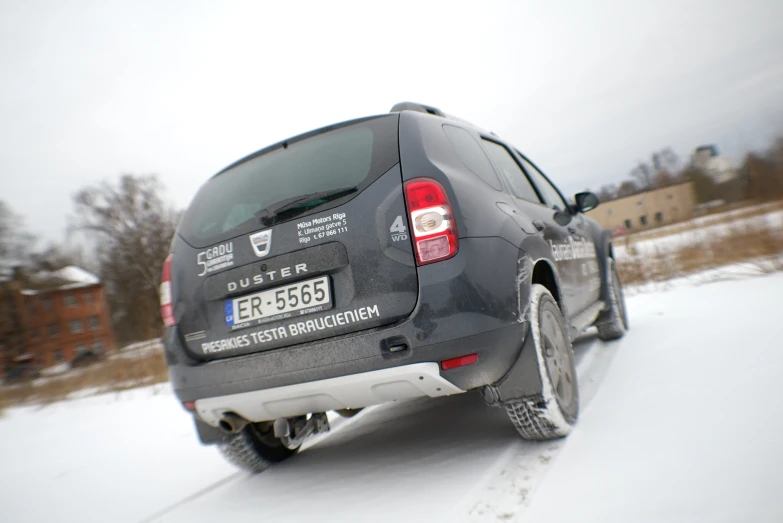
<point x="421" y="108"/>
<point x="413" y="106"/>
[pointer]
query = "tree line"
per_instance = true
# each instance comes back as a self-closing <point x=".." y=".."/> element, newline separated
<point x="128" y="227"/>
<point x="760" y="177"/>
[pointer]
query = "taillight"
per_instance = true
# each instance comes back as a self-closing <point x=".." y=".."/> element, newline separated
<point x="434" y="229"/>
<point x="166" y="307"/>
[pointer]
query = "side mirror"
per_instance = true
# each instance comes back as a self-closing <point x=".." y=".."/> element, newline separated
<point x="586" y="201"/>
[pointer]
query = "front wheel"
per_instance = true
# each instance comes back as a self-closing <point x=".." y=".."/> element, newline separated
<point x="551" y="413"/>
<point x="255" y="448"/>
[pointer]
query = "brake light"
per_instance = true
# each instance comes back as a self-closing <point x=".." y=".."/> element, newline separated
<point x="166" y="307"/>
<point x="434" y="229"/>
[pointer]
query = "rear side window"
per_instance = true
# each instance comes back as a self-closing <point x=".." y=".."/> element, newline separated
<point x="512" y="172"/>
<point x="469" y="151"/>
<point x="346" y="155"/>
<point x="553" y="198"/>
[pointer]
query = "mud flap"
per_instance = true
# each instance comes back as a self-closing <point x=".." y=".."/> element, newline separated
<point x="522" y="380"/>
<point x="603" y="253"/>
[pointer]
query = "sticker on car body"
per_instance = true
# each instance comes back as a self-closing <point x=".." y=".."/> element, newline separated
<point x="572" y="250"/>
<point x="292" y="330"/>
<point x="216" y="258"/>
<point x="322" y="227"/>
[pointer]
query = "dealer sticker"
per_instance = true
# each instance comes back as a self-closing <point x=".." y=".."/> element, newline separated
<point x="216" y="258"/>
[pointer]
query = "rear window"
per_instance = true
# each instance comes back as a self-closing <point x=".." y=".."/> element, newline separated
<point x="346" y="155"/>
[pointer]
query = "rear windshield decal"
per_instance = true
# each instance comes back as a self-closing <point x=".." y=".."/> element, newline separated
<point x="322" y="227"/>
<point x="216" y="258"/>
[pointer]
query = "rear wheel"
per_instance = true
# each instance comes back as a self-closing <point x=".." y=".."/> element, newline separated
<point x="551" y="413"/>
<point x="618" y="317"/>
<point x="255" y="448"/>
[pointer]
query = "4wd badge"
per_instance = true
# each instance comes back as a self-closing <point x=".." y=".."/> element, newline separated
<point x="261" y="242"/>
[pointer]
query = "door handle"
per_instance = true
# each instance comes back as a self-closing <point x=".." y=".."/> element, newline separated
<point x="538" y="224"/>
<point x="572" y="230"/>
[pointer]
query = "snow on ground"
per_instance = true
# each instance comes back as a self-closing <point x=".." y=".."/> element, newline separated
<point x="699" y="231"/>
<point x="139" y="350"/>
<point x="114" y="457"/>
<point x="63" y="370"/>
<point x="687" y="425"/>
<point x="680" y="422"/>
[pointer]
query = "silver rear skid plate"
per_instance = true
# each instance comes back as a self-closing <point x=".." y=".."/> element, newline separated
<point x="344" y="392"/>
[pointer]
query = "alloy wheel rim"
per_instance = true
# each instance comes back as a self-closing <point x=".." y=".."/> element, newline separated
<point x="558" y="360"/>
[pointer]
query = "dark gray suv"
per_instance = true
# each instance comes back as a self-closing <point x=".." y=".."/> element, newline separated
<point x="396" y="256"/>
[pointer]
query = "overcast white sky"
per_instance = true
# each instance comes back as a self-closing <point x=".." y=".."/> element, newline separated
<point x="90" y="90"/>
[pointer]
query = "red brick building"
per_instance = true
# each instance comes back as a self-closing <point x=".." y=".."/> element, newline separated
<point x="57" y="315"/>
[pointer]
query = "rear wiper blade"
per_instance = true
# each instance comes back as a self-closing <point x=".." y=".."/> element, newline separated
<point x="299" y="204"/>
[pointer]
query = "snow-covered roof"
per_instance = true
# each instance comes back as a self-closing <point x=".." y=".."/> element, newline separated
<point x="70" y="277"/>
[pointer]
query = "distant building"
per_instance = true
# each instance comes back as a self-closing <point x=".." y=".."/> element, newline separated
<point x="52" y="316"/>
<point x="717" y="167"/>
<point x="647" y="209"/>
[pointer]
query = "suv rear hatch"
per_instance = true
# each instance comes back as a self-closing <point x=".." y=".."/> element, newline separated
<point x="301" y="241"/>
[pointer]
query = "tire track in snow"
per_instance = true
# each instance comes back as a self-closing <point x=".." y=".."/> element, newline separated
<point x="506" y="489"/>
<point x="195" y="495"/>
<point x="405" y="461"/>
<point x="337" y="424"/>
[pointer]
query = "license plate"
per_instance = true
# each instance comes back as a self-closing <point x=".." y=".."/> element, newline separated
<point x="281" y="301"/>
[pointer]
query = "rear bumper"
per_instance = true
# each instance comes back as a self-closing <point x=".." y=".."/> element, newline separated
<point x="467" y="304"/>
<point x="344" y="392"/>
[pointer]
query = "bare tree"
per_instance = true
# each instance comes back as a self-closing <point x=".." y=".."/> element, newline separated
<point x="56" y="256"/>
<point x="643" y="174"/>
<point x="627" y="188"/>
<point x="14" y="240"/>
<point x="665" y="160"/>
<point x="764" y="174"/>
<point x="607" y="192"/>
<point x="662" y="179"/>
<point x="14" y="243"/>
<point x="133" y="228"/>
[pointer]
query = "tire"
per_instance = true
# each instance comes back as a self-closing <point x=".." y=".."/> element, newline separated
<point x="255" y="448"/>
<point x="617" y="325"/>
<point x="552" y="413"/>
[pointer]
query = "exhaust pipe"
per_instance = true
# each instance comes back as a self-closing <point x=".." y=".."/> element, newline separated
<point x="232" y="423"/>
<point x="284" y="429"/>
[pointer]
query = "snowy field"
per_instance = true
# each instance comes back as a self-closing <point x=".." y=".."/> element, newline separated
<point x="700" y="231"/>
<point x="681" y="421"/>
